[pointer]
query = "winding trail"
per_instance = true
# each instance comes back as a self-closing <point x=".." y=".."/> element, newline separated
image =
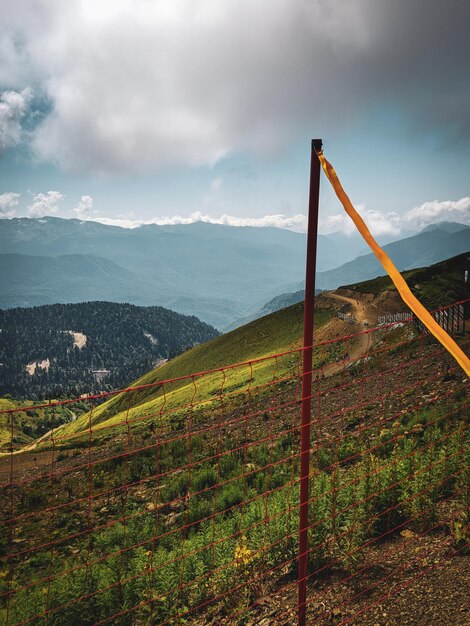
<point x="365" y="315"/>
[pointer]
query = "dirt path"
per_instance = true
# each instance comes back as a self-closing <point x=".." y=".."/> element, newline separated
<point x="20" y="461"/>
<point x="365" y="315"/>
<point x="21" y="465"/>
<point x="362" y="311"/>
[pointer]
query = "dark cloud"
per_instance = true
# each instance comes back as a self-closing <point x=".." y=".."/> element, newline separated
<point x="135" y="83"/>
<point x="418" y="60"/>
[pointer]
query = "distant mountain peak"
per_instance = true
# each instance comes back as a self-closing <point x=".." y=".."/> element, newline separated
<point x="448" y="227"/>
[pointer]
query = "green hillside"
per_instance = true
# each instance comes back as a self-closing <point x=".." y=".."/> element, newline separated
<point x="276" y="333"/>
<point x="435" y="286"/>
<point x="31" y="424"/>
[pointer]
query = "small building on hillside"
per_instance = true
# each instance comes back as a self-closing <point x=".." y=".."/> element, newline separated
<point x="100" y="375"/>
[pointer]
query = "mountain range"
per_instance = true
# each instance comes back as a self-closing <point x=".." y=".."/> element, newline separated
<point x="221" y="274"/>
<point x="217" y="273"/>
<point x="432" y="245"/>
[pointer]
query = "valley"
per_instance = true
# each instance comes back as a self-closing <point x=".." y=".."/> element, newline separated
<point x="114" y="343"/>
<point x="223" y="275"/>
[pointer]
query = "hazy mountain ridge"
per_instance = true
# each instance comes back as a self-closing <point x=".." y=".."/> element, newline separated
<point x="221" y="274"/>
<point x="429" y="247"/>
<point x="218" y="273"/>
<point x="28" y="280"/>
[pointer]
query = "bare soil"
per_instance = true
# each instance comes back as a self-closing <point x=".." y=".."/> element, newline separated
<point x="412" y="582"/>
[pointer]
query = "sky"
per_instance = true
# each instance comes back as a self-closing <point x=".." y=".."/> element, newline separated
<point x="171" y="111"/>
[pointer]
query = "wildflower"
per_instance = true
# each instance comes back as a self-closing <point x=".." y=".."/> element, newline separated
<point x="242" y="554"/>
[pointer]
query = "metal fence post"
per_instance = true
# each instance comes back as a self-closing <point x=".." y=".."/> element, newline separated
<point x="307" y="377"/>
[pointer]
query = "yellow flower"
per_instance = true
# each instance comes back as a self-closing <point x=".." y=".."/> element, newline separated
<point x="242" y="554"/>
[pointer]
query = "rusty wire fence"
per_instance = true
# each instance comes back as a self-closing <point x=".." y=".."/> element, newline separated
<point x="178" y="502"/>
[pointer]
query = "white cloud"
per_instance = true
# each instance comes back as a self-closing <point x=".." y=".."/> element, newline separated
<point x="378" y="222"/>
<point x="391" y="223"/>
<point x="8" y="201"/>
<point x="297" y="223"/>
<point x="338" y="221"/>
<point x="84" y="207"/>
<point x="434" y="211"/>
<point x="189" y="82"/>
<point x="13" y="107"/>
<point x="45" y="204"/>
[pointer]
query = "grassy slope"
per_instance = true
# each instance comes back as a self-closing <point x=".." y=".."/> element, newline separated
<point x="275" y="333"/>
<point x="28" y="425"/>
<point x="5" y="429"/>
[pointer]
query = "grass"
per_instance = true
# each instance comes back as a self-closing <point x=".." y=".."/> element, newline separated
<point x="31" y="424"/>
<point x="352" y="503"/>
<point x="275" y="333"/>
<point x="435" y="286"/>
<point x="234" y="514"/>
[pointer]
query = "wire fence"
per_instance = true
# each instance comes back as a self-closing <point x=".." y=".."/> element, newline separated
<point x="178" y="501"/>
<point x="451" y="318"/>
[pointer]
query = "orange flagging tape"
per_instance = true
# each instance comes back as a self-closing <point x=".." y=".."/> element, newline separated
<point x="418" y="309"/>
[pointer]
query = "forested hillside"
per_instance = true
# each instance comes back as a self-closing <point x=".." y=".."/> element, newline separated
<point x="69" y="349"/>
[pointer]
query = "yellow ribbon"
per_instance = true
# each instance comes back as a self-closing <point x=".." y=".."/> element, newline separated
<point x="418" y="309"/>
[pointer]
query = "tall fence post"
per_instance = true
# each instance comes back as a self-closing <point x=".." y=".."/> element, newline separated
<point x="307" y="377"/>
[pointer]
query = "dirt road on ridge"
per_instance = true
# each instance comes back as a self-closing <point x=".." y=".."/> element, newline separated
<point x="363" y="313"/>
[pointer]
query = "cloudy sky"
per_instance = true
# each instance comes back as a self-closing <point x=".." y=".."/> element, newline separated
<point x="174" y="110"/>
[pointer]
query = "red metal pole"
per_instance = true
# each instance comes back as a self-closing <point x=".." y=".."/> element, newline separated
<point x="307" y="377"/>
